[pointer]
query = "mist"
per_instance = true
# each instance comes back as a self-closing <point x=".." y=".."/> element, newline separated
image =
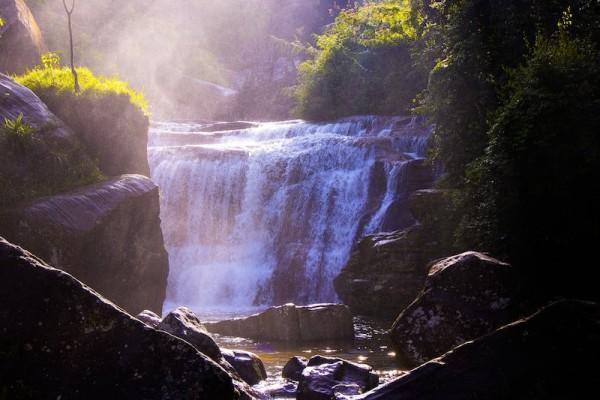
<point x="226" y="59"/>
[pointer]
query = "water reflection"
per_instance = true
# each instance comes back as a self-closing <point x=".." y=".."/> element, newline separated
<point x="371" y="346"/>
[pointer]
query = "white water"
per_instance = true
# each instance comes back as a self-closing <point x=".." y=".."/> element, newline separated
<point x="269" y="214"/>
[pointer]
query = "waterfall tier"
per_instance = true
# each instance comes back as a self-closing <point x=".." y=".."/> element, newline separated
<point x="269" y="214"/>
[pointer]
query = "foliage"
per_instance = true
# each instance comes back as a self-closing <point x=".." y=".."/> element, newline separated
<point x="50" y="76"/>
<point x="513" y="95"/>
<point x="109" y="117"/>
<point x="17" y="134"/>
<point x="362" y="64"/>
<point x="537" y="186"/>
<point x="36" y="164"/>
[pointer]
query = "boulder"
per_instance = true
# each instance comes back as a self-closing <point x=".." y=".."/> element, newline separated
<point x="60" y="339"/>
<point x="545" y="356"/>
<point x="184" y="324"/>
<point x="325" y="377"/>
<point x="385" y="273"/>
<point x="248" y="365"/>
<point x="113" y="131"/>
<point x="291" y="323"/>
<point x="149" y="318"/>
<point x="464" y="297"/>
<point x="294" y="367"/>
<point x="107" y="235"/>
<point x="16" y="99"/>
<point x="21" y="42"/>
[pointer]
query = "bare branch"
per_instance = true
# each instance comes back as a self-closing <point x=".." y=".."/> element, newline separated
<point x="69" y="11"/>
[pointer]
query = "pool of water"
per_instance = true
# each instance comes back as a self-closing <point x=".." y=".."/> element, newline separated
<point x="370" y="346"/>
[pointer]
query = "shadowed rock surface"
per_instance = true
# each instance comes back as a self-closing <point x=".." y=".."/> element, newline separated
<point x="60" y="339"/>
<point x="294" y="367"/>
<point x="184" y="324"/>
<point x="325" y="377"/>
<point x="149" y="318"/>
<point x="107" y="235"/>
<point x="386" y="271"/>
<point x="248" y="365"/>
<point x="16" y="99"/>
<point x="291" y="323"/>
<point x="22" y="43"/>
<point x="545" y="356"/>
<point x="465" y="296"/>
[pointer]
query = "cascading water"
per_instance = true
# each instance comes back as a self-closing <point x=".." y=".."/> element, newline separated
<point x="269" y="214"/>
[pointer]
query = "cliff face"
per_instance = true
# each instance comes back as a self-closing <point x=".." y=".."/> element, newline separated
<point x="107" y="235"/>
<point x="21" y="42"/>
<point x="387" y="271"/>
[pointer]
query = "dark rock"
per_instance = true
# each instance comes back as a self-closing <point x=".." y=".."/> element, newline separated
<point x="416" y="175"/>
<point x="545" y="356"/>
<point x="184" y="324"/>
<point x="464" y="297"/>
<point x="113" y="131"/>
<point x="107" y="235"/>
<point x="149" y="318"/>
<point x="60" y="339"/>
<point x="285" y="390"/>
<point x="16" y="99"/>
<point x="22" y="43"/>
<point x="294" y="367"/>
<point x="324" y="378"/>
<point x="248" y="365"/>
<point x="360" y="374"/>
<point x="317" y="382"/>
<point x="290" y="323"/>
<point x="385" y="273"/>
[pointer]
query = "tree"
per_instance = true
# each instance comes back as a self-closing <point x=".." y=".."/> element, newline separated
<point x="69" y="11"/>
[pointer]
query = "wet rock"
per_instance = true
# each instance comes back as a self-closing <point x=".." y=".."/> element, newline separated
<point x="22" y="42"/>
<point x="464" y="297"/>
<point x="107" y="235"/>
<point x="291" y="323"/>
<point x="326" y="378"/>
<point x="60" y="339"/>
<point x="281" y="391"/>
<point x="149" y="318"/>
<point x="385" y="273"/>
<point x="317" y="382"/>
<point x="248" y="365"/>
<point x="294" y="367"/>
<point x="184" y="324"/>
<point x="361" y="374"/>
<point x="544" y="356"/>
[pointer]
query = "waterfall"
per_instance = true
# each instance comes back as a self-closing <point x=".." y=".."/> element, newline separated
<point x="269" y="214"/>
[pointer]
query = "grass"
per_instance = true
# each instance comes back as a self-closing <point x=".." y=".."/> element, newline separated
<point x="49" y="75"/>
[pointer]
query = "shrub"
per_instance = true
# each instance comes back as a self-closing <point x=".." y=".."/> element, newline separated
<point x="362" y="65"/>
<point x="50" y="76"/>
<point x="17" y="134"/>
<point x="110" y="118"/>
<point x="36" y="165"/>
